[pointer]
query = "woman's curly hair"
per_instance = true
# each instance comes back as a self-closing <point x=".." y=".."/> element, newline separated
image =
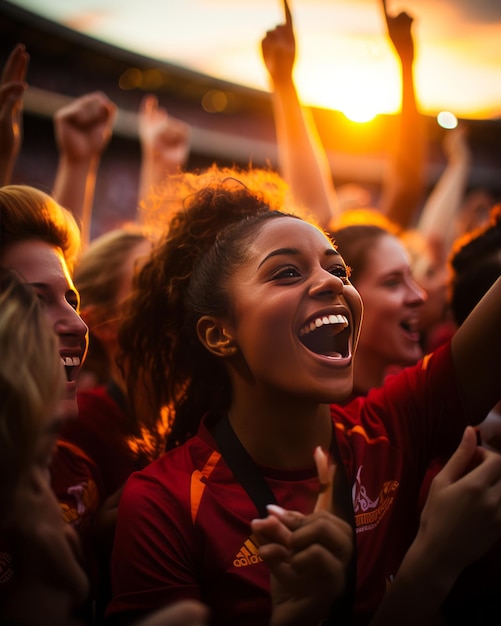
<point x="165" y="363"/>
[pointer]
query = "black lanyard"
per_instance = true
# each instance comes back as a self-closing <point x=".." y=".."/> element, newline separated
<point x="248" y="474"/>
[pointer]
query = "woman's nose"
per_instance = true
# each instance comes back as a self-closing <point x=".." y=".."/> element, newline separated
<point x="70" y="323"/>
<point x="417" y="295"/>
<point x="325" y="283"/>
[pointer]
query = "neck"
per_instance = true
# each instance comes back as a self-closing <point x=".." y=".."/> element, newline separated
<point x="368" y="373"/>
<point x="280" y="435"/>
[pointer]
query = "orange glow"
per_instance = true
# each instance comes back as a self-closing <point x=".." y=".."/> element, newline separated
<point x="345" y="61"/>
<point x="362" y="81"/>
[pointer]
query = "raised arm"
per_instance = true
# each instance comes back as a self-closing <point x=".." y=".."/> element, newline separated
<point x="83" y="129"/>
<point x="441" y="210"/>
<point x="460" y="522"/>
<point x="476" y="347"/>
<point x="165" y="144"/>
<point x="301" y="156"/>
<point x="403" y="185"/>
<point x="12" y="88"/>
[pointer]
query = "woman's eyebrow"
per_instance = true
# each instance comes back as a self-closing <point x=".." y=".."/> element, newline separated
<point x="332" y="252"/>
<point x="294" y="251"/>
<point x="279" y="252"/>
<point x="39" y="285"/>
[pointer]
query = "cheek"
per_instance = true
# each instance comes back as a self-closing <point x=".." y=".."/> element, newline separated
<point x="52" y="317"/>
<point x="378" y="304"/>
<point x="378" y="325"/>
<point x="263" y="332"/>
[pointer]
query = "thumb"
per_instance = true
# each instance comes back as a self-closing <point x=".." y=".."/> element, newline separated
<point x="461" y="461"/>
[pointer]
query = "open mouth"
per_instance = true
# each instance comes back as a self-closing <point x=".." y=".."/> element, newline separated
<point x="327" y="335"/>
<point x="411" y="328"/>
<point x="71" y="363"/>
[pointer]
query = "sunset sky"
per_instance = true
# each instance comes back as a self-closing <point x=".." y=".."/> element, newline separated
<point x="345" y="61"/>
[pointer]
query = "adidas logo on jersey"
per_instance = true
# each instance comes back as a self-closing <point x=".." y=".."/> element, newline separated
<point x="248" y="554"/>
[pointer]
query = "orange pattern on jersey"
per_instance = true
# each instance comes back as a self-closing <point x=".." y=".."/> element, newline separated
<point x="197" y="485"/>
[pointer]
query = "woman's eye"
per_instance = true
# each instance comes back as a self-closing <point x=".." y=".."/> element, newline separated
<point x="342" y="272"/>
<point x="286" y="272"/>
<point x="392" y="283"/>
<point x="72" y="300"/>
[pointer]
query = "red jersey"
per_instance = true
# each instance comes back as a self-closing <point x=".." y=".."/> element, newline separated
<point x="183" y="527"/>
<point x="93" y="458"/>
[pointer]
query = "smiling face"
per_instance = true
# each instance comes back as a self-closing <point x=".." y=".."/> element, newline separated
<point x="392" y="301"/>
<point x="43" y="266"/>
<point x="295" y="316"/>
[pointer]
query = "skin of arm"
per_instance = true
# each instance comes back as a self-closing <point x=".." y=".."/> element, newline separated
<point x="459" y="523"/>
<point x="307" y="555"/>
<point x="182" y="613"/>
<point x="301" y="155"/>
<point x="475" y="347"/>
<point x="83" y="129"/>
<point x="12" y="88"/>
<point x="165" y="144"/>
<point x="444" y="202"/>
<point x="403" y="185"/>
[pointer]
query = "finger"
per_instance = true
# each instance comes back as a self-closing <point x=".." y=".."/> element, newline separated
<point x="488" y="469"/>
<point x="288" y="15"/>
<point x="325" y="471"/>
<point x="290" y="519"/>
<point x="385" y="11"/>
<point x="9" y="71"/>
<point x="461" y="460"/>
<point x="182" y="613"/>
<point x="271" y="530"/>
<point x="326" y="530"/>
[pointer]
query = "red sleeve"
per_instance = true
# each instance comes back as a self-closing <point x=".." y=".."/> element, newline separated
<point x="152" y="561"/>
<point x="75" y="481"/>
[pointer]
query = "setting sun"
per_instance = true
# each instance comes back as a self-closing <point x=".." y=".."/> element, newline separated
<point x="358" y="88"/>
<point x="345" y="60"/>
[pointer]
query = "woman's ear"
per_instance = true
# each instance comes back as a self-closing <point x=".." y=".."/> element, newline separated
<point x="215" y="336"/>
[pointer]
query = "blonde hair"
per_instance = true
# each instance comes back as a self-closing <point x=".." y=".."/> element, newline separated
<point x="31" y="376"/>
<point x="98" y="278"/>
<point x="29" y="213"/>
<point x="99" y="274"/>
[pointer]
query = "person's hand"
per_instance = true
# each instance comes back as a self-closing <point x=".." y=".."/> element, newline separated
<point x="47" y="547"/>
<point x="400" y="33"/>
<point x="461" y="519"/>
<point x="83" y="128"/>
<point x="307" y="555"/>
<point x="183" y="613"/>
<point x="279" y="49"/>
<point x="163" y="138"/>
<point x="456" y="146"/>
<point x="12" y="88"/>
<point x="490" y="431"/>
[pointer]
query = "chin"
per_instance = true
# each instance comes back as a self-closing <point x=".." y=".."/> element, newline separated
<point x="343" y="391"/>
<point x="411" y="358"/>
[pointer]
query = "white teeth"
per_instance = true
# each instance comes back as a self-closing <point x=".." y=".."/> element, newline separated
<point x="324" y="321"/>
<point x="70" y="361"/>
